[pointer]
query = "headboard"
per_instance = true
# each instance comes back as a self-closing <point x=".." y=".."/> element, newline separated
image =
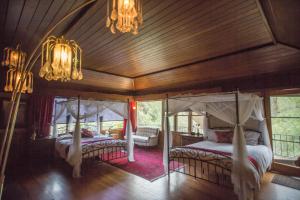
<point x="214" y="122"/>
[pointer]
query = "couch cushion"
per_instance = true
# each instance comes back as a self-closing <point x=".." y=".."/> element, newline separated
<point x="138" y="138"/>
<point x="147" y="132"/>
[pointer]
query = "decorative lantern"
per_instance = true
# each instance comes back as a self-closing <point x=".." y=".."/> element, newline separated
<point x="14" y="60"/>
<point x="61" y="59"/>
<point x="126" y="16"/>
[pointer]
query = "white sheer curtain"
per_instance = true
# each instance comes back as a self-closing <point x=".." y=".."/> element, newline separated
<point x="130" y="142"/>
<point x="166" y="124"/>
<point x="224" y="107"/>
<point x="59" y="110"/>
<point x="74" y="156"/>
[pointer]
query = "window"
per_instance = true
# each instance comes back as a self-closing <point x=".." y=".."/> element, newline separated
<point x="183" y="122"/>
<point x="188" y="122"/>
<point x="109" y="120"/>
<point x="149" y="114"/>
<point x="172" y="123"/>
<point x="285" y="118"/>
<point x="112" y="125"/>
<point x="197" y="122"/>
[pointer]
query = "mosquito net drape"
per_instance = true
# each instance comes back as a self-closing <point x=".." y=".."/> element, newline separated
<point x="87" y="109"/>
<point x="224" y="107"/>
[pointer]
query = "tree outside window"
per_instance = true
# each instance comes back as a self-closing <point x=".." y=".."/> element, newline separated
<point x="285" y="118"/>
<point x="149" y="114"/>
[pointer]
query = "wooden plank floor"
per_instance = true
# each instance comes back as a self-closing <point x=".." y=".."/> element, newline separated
<point x="107" y="182"/>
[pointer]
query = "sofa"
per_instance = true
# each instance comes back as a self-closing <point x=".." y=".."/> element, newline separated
<point x="146" y="137"/>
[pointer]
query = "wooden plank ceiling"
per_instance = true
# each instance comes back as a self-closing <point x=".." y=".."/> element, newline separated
<point x="180" y="43"/>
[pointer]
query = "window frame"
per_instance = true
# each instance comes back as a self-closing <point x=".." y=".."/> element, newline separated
<point x="190" y="118"/>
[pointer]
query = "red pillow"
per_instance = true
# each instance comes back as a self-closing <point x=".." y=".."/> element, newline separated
<point x="86" y="133"/>
<point x="224" y="136"/>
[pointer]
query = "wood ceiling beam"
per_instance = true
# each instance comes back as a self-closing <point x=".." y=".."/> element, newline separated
<point x="84" y="94"/>
<point x="269" y="59"/>
<point x="209" y="59"/>
<point x="267" y="23"/>
<point x="93" y="82"/>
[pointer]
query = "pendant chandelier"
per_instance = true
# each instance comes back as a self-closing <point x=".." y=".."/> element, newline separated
<point x="126" y="16"/>
<point x="14" y="60"/>
<point x="61" y="59"/>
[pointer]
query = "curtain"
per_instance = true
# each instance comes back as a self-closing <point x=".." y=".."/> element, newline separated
<point x="74" y="156"/>
<point x="41" y="110"/>
<point x="133" y="115"/>
<point x="59" y="110"/>
<point x="130" y="142"/>
<point x="124" y="127"/>
<point x="166" y="125"/>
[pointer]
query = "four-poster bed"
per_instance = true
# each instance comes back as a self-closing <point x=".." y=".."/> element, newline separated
<point x="75" y="149"/>
<point x="222" y="162"/>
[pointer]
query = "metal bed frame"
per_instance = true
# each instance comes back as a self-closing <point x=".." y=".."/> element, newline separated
<point x="210" y="169"/>
<point x="96" y="154"/>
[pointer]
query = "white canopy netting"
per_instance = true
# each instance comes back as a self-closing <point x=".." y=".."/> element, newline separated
<point x="87" y="110"/>
<point x="224" y="107"/>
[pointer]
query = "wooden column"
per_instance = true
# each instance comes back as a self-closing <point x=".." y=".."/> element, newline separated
<point x="267" y="105"/>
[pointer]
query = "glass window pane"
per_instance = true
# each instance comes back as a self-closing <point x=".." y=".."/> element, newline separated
<point x="183" y="123"/>
<point x="285" y="106"/>
<point x="149" y="114"/>
<point x="112" y="125"/>
<point x="197" y="124"/>
<point x="183" y="113"/>
<point x="285" y="118"/>
<point x="171" y="123"/>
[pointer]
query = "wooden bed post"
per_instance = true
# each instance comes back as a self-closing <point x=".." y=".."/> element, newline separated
<point x="168" y="136"/>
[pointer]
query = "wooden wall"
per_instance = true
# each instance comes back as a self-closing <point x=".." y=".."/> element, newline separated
<point x="17" y="155"/>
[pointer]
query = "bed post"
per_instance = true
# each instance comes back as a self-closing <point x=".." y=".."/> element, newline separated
<point x="168" y="137"/>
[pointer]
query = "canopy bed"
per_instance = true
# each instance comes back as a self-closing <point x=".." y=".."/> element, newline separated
<point x="82" y="144"/>
<point x="237" y="154"/>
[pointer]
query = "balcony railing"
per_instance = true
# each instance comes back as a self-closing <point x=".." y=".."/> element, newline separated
<point x="286" y="146"/>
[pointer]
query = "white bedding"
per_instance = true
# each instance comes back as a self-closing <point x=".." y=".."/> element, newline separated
<point x="260" y="153"/>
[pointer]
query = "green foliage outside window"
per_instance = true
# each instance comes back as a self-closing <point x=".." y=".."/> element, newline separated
<point x="285" y="115"/>
<point x="149" y="114"/>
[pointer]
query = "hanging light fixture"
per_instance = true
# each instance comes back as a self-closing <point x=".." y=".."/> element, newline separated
<point x="14" y="60"/>
<point x="126" y="16"/>
<point x="61" y="59"/>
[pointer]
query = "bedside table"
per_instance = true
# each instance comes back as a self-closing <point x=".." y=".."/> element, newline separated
<point x="41" y="150"/>
<point x="187" y="139"/>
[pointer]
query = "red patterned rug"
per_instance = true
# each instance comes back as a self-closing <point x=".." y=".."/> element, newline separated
<point x="148" y="163"/>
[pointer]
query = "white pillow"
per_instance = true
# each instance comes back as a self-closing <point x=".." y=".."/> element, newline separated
<point x="211" y="135"/>
<point x="251" y="137"/>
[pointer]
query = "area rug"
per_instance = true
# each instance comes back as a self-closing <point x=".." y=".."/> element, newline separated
<point x="148" y="163"/>
<point x="287" y="181"/>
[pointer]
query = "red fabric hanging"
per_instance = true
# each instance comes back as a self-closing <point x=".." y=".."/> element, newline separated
<point x="133" y="115"/>
<point x="124" y="127"/>
<point x="41" y="109"/>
